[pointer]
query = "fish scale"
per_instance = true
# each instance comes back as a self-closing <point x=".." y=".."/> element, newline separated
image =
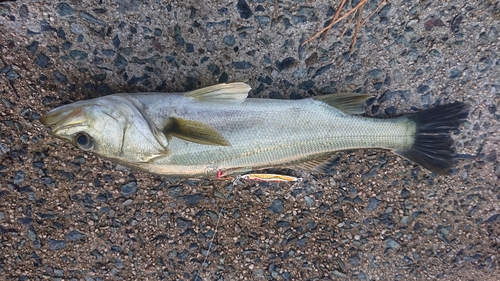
<point x="269" y="133"/>
<point x="217" y="131"/>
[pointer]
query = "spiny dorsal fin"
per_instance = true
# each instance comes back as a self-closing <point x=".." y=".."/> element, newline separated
<point x="231" y="92"/>
<point x="346" y="102"/>
<point x="193" y="131"/>
<point x="322" y="164"/>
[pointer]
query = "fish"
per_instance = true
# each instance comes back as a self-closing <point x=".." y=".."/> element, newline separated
<point x="218" y="131"/>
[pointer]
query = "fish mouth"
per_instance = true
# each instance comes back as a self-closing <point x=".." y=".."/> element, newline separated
<point x="63" y="117"/>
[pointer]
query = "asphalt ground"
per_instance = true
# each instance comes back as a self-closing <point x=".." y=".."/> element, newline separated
<point x="69" y="215"/>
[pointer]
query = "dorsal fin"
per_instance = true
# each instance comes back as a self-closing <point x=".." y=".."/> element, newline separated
<point x="231" y="92"/>
<point x="322" y="164"/>
<point x="346" y="102"/>
<point x="193" y="131"/>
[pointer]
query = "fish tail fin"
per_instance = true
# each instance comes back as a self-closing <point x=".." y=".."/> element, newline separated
<point x="433" y="146"/>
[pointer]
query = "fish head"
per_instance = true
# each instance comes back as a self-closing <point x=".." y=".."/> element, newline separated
<point x="111" y="127"/>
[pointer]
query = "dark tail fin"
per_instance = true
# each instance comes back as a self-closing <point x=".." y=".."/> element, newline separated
<point x="433" y="145"/>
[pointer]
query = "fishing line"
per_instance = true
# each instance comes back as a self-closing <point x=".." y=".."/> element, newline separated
<point x="233" y="183"/>
<point x="210" y="243"/>
<point x="259" y="177"/>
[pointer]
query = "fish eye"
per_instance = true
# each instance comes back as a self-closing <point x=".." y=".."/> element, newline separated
<point x="84" y="141"/>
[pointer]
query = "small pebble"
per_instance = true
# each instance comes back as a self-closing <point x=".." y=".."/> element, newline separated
<point x="11" y="75"/>
<point x="78" y="55"/>
<point x="45" y="26"/>
<point x="309" y="200"/>
<point x="127" y="6"/>
<point x="455" y="23"/>
<point x="116" y="41"/>
<point x="175" y="191"/>
<point x="375" y="73"/>
<point x="306" y="85"/>
<point x="192" y="200"/>
<point x="492" y="219"/>
<point x="260" y="8"/>
<point x="25" y="221"/>
<point x="373" y="203"/>
<point x="66" y="45"/>
<point x="390" y="111"/>
<point x="64" y="9"/>
<point x="76" y="28"/>
<point x="229" y="40"/>
<point x="183" y="223"/>
<point x="59" y="77"/>
<point x="299" y="19"/>
<point x="42" y="60"/>
<point x="405" y="193"/>
<point x="391" y="243"/>
<point x="301" y="242"/>
<point x="74" y="236"/>
<point x="284" y="224"/>
<point x="55" y="245"/>
<point x="23" y="11"/>
<point x="243" y="9"/>
<point x="242" y="64"/>
<point x="128" y="188"/>
<point x="32" y="235"/>
<point x="61" y="33"/>
<point x="426" y="99"/>
<point x="33" y="47"/>
<point x="285" y="63"/>
<point x="277" y="206"/>
<point x="339" y="274"/>
<point x="120" y="61"/>
<point x="18" y="177"/>
<point x="91" y="18"/>
<point x="128" y="202"/>
<point x="354" y="261"/>
<point x="422" y="89"/>
<point x="322" y="70"/>
<point x="263" y="20"/>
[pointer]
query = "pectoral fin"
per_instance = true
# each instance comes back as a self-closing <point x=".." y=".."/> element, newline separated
<point x="194" y="131"/>
<point x="323" y="164"/>
<point x="231" y="92"/>
<point x="346" y="102"/>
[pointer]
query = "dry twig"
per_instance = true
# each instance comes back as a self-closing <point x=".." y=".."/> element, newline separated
<point x="358" y="23"/>
<point x="346" y="26"/>
<point x="337" y="18"/>
<point x="275" y="13"/>
<point x="376" y="10"/>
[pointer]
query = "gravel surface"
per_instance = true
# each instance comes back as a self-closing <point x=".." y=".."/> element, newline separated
<point x="68" y="215"/>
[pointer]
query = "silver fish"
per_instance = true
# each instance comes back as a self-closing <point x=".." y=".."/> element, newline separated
<point x="217" y="131"/>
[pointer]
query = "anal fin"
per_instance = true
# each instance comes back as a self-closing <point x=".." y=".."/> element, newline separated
<point x="322" y="164"/>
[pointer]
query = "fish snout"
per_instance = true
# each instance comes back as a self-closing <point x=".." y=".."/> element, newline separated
<point x="50" y="118"/>
<point x="62" y="117"/>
